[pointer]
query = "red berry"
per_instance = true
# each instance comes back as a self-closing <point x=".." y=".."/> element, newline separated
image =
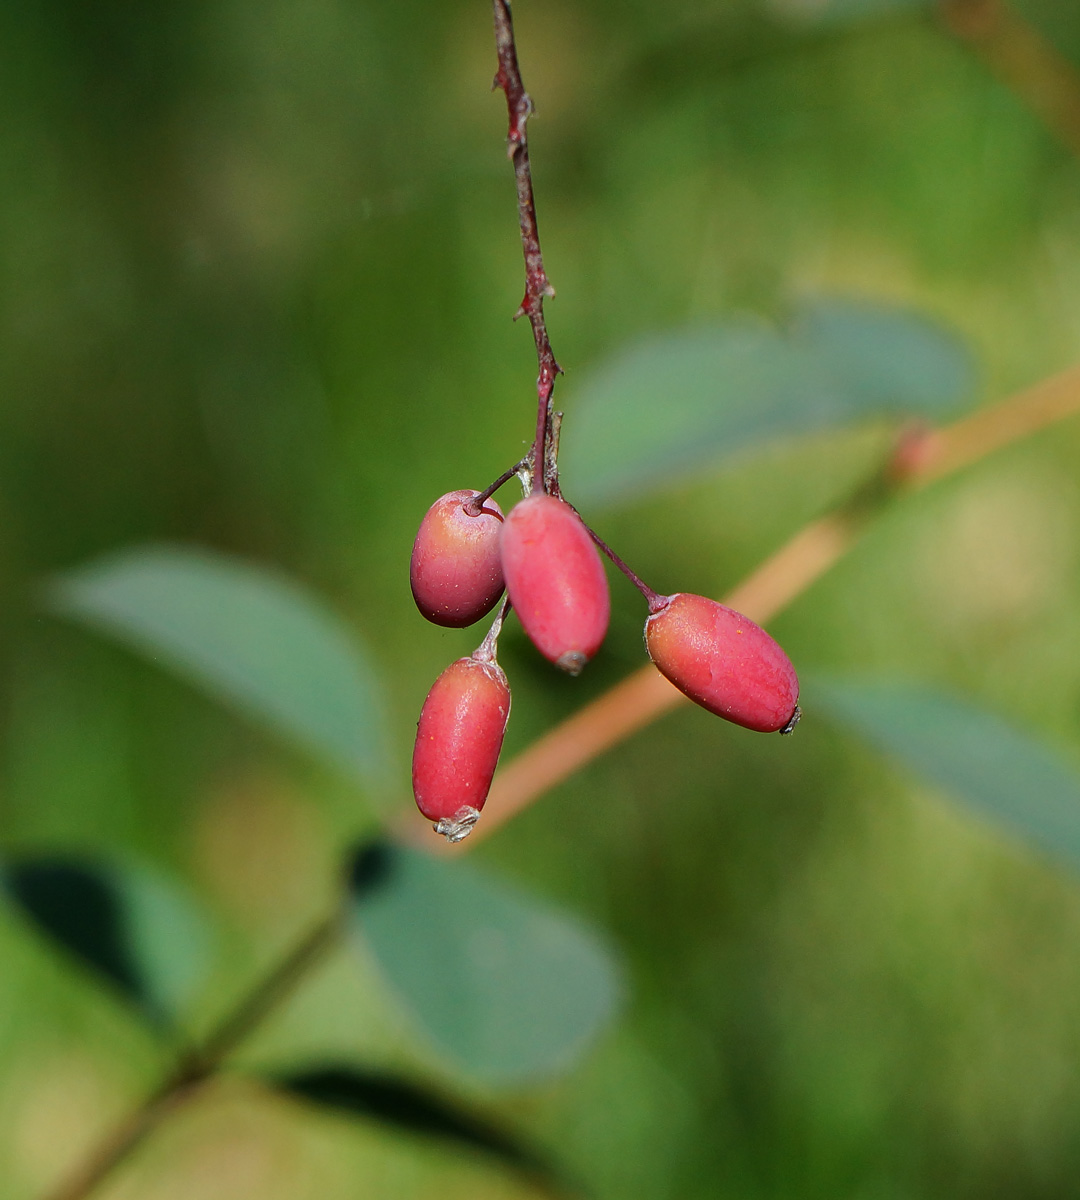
<point x="724" y="662"/>
<point x="555" y="580"/>
<point x="458" y="739"/>
<point x="456" y="574"/>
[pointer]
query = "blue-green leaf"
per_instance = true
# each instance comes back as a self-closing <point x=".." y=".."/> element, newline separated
<point x="996" y="768"/>
<point x="245" y="635"/>
<point x="675" y="403"/>
<point x="510" y="988"/>
<point x="140" y="931"/>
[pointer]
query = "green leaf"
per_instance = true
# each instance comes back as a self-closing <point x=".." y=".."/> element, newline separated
<point x="681" y="401"/>
<point x="978" y="757"/>
<point x="401" y="1104"/>
<point x="245" y="635"/>
<point x="140" y="931"/>
<point x="840" y="12"/>
<point x="508" y="987"/>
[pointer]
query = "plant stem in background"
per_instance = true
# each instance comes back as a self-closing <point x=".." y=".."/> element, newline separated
<point x="537" y="286"/>
<point x="782" y="578"/>
<point x="195" y="1069"/>
<point x="627" y="707"/>
<point x="1023" y="60"/>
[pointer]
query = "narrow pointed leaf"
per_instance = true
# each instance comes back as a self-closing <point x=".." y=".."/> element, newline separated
<point x="401" y="1104"/>
<point x="246" y="636"/>
<point x="510" y="988"/>
<point x="136" y="929"/>
<point x="681" y="401"/>
<point x="999" y="770"/>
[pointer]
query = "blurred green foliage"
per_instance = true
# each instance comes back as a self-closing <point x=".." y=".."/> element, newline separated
<point x="256" y="283"/>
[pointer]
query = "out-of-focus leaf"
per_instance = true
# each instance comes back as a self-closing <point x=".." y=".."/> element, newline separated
<point x="245" y="635"/>
<point x="140" y="931"/>
<point x="510" y="988"/>
<point x="404" y="1105"/>
<point x="978" y="757"/>
<point x="672" y="404"/>
<point x="839" y="12"/>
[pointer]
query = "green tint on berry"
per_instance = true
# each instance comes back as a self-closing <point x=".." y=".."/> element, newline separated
<point x="724" y="662"/>
<point x="458" y="739"/>
<point x="455" y="573"/>
<point x="555" y="580"/>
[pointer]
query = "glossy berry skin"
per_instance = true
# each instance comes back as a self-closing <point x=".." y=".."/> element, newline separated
<point x="555" y="580"/>
<point x="456" y="573"/>
<point x="458" y="739"/>
<point x="724" y="662"/>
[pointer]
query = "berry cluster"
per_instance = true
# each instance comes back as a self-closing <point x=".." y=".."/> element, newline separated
<point x="544" y="556"/>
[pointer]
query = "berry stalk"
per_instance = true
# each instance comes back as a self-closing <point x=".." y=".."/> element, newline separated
<point x="651" y="597"/>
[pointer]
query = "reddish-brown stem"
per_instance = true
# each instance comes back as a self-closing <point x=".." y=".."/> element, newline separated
<point x="537" y="285"/>
<point x="654" y="598"/>
<point x="476" y="504"/>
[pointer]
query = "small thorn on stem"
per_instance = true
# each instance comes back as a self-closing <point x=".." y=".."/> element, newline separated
<point x="912" y="450"/>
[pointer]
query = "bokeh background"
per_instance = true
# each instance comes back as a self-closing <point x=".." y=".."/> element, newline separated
<point x="257" y="271"/>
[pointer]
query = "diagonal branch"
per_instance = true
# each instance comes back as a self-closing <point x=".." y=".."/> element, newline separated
<point x="197" y="1068"/>
<point x="646" y="695"/>
<point x="1022" y="59"/>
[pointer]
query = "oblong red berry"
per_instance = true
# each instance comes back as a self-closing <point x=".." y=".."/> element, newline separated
<point x="555" y="580"/>
<point x="458" y="739"/>
<point x="724" y="662"/>
<point x="456" y="573"/>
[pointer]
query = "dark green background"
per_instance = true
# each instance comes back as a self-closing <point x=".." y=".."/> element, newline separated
<point x="256" y="276"/>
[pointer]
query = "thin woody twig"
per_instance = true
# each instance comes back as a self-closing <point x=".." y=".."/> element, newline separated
<point x="537" y="285"/>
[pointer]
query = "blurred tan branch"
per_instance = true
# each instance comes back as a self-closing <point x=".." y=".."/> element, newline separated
<point x="1024" y="60"/>
<point x="920" y="458"/>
